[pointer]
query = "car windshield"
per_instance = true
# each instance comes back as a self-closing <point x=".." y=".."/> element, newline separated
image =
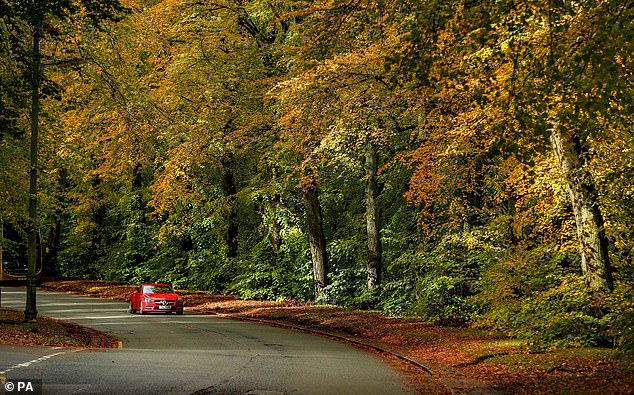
<point x="157" y="289"/>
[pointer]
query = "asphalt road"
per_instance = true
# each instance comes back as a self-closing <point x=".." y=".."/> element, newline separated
<point x="191" y="353"/>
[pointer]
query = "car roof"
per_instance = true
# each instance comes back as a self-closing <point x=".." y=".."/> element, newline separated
<point x="155" y="285"/>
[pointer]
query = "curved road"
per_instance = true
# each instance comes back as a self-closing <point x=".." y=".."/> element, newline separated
<point x="189" y="354"/>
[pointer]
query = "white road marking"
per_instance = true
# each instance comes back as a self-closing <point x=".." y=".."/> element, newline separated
<point x="165" y="322"/>
<point x="37" y="360"/>
<point x="80" y="304"/>
<point x="81" y="317"/>
<point x="75" y="311"/>
<point x="113" y="305"/>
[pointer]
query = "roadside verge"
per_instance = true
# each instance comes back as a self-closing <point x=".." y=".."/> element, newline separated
<point x="460" y="360"/>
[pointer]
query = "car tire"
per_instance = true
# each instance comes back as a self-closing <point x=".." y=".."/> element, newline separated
<point x="179" y="312"/>
<point x="131" y="309"/>
<point x="141" y="307"/>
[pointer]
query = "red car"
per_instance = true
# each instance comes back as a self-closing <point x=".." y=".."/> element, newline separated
<point x="155" y="298"/>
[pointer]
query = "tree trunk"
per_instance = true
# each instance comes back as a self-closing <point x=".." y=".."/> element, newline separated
<point x="276" y="227"/>
<point x="595" y="262"/>
<point x="229" y="185"/>
<point x="30" y="311"/>
<point x="372" y="218"/>
<point x="55" y="232"/>
<point x="316" y="238"/>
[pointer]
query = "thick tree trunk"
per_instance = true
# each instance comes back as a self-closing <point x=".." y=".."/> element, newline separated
<point x="316" y="238"/>
<point x="595" y="262"/>
<point x="372" y="218"/>
<point x="30" y="311"/>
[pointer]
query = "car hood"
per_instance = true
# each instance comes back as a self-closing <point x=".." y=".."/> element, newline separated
<point x="163" y="296"/>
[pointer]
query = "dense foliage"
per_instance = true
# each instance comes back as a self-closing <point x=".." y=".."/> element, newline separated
<point x="458" y="158"/>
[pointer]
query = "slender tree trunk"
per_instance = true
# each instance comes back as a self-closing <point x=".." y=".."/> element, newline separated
<point x="229" y="185"/>
<point x="316" y="238"/>
<point x="276" y="227"/>
<point x="276" y="239"/>
<point x="30" y="311"/>
<point x="595" y="262"/>
<point x="53" y="248"/>
<point x="372" y="218"/>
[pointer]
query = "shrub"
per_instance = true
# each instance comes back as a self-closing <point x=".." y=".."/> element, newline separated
<point x="345" y="286"/>
<point x="620" y="319"/>
<point x="266" y="275"/>
<point x="448" y="277"/>
<point x="569" y="315"/>
<point x="396" y="297"/>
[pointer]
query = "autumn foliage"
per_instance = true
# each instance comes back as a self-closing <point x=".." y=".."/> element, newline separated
<point x="479" y="155"/>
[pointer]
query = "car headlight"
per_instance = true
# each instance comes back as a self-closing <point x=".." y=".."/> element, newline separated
<point x="179" y="300"/>
<point x="148" y="300"/>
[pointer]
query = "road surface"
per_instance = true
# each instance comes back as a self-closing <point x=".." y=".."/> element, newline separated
<point x="189" y="354"/>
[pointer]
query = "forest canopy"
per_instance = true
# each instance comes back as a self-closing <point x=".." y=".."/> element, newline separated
<point x="466" y="162"/>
